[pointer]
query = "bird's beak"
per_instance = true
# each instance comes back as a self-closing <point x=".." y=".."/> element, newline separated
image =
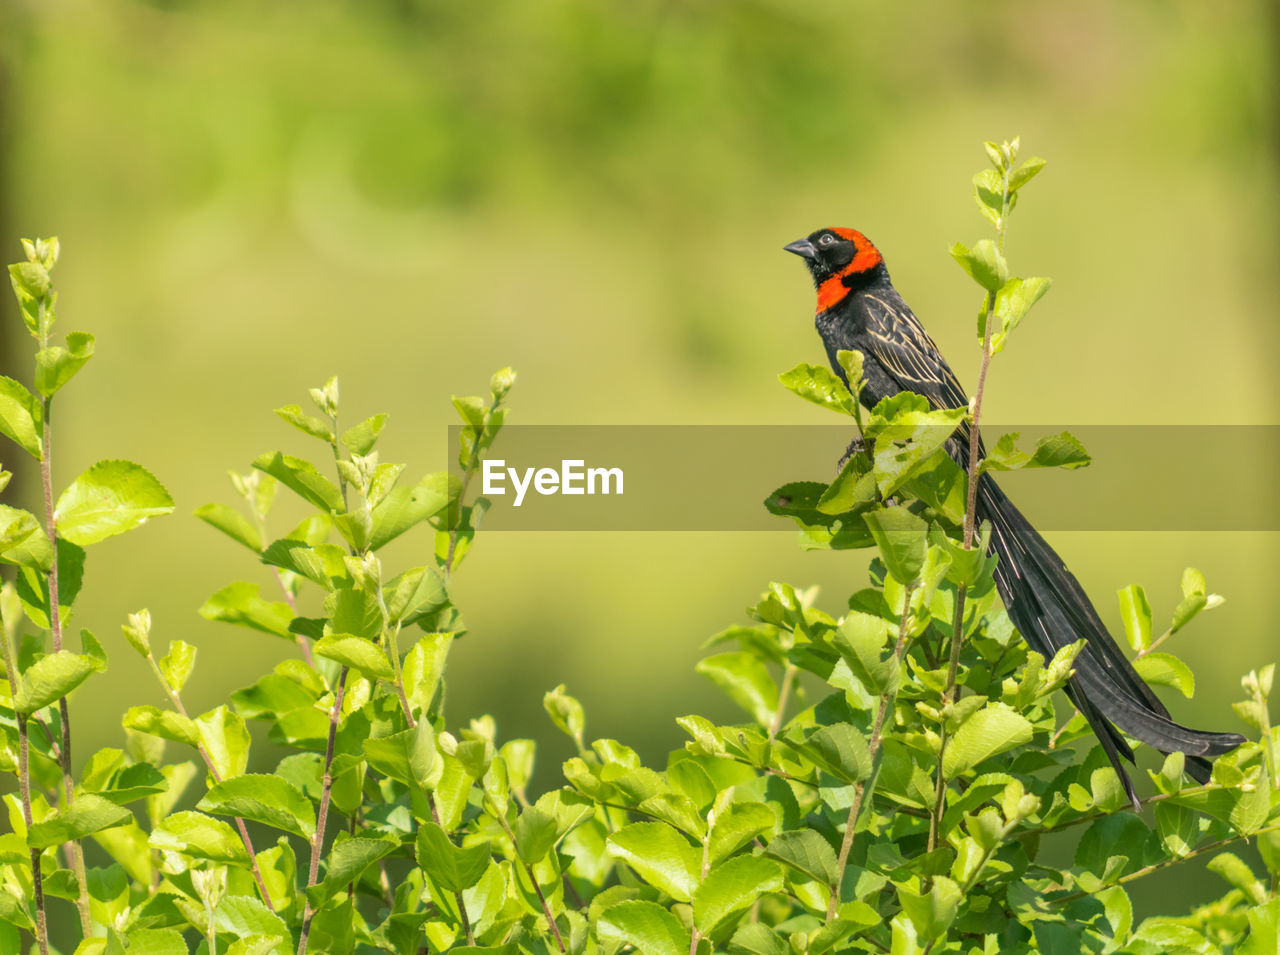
<point x="803" y="248"/>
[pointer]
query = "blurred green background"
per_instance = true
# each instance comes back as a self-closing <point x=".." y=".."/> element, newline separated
<point x="412" y="193"/>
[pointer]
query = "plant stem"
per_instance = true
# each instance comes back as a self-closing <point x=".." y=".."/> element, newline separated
<point x="948" y="696"/>
<point x="970" y="522"/>
<point x="55" y="629"/>
<point x="788" y="678"/>
<point x="1165" y="863"/>
<point x="859" y="792"/>
<point x="24" y="787"/>
<point x="546" y="908"/>
<point x="466" y="919"/>
<point x="472" y="466"/>
<point x="24" y="782"/>
<point x="176" y="699"/>
<point x="322" y="816"/>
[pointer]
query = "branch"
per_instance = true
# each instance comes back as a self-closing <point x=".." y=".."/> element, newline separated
<point x="859" y="792"/>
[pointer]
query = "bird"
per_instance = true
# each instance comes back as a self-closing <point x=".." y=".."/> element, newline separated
<point x="860" y="310"/>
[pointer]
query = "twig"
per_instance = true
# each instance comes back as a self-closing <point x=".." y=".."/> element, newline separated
<point x="24" y="782"/>
<point x="970" y="524"/>
<point x="55" y="629"/>
<point x="176" y="699"/>
<point x="322" y="816"/>
<point x="1165" y="863"/>
<point x="788" y="678"/>
<point x="859" y="792"/>
<point x="24" y="786"/>
<point x="533" y="879"/>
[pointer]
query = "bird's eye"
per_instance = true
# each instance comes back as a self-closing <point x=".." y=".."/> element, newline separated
<point x="827" y="239"/>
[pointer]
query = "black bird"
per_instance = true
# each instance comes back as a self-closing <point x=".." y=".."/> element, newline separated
<point x="860" y="310"/>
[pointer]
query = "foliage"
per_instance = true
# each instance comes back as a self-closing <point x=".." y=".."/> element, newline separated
<point x="889" y="789"/>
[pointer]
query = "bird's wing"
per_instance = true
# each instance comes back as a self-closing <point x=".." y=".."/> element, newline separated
<point x="901" y="346"/>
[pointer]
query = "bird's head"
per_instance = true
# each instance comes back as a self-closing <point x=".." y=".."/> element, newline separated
<point x="839" y="260"/>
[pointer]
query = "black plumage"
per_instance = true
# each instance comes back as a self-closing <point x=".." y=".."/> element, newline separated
<point x="860" y="310"/>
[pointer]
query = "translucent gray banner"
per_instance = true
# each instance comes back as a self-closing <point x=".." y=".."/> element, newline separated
<point x="716" y="477"/>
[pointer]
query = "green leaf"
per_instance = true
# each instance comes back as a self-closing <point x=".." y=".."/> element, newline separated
<point x="301" y="477"/>
<point x="841" y="751"/>
<point x="422" y="668"/>
<point x="756" y="938"/>
<point x="1253" y="806"/>
<point x="851" y="362"/>
<point x="199" y="836"/>
<point x="931" y="912"/>
<point x="361" y="438"/>
<point x="108" y="499"/>
<point x="240" y="604"/>
<point x="20" y="533"/>
<point x="1264" y="930"/>
<point x="31" y="279"/>
<point x="266" y="799"/>
<point x="21" y="417"/>
<point x="165" y="724"/>
<point x="736" y="826"/>
<point x="307" y="424"/>
<point x="1232" y="868"/>
<point x="1055" y="451"/>
<point x="861" y="641"/>
<point x="177" y="664"/>
<point x="565" y="712"/>
<point x="87" y="814"/>
<point x="819" y="384"/>
<point x="731" y="888"/>
<point x="901" y="537"/>
<point x="245" y="917"/>
<point x="33" y="585"/>
<point x="347" y="860"/>
<point x="806" y="852"/>
<point x="1119" y="911"/>
<point x="225" y="739"/>
<point x="56" y="365"/>
<point x="909" y="437"/>
<point x="535" y="835"/>
<point x="409" y="756"/>
<point x="1136" y="613"/>
<point x="414" y="593"/>
<point x="988" y="192"/>
<point x="356" y="652"/>
<point x="1178" y="826"/>
<point x="1164" y="669"/>
<point x="675" y="809"/>
<point x="50" y="678"/>
<point x="983" y="262"/>
<point x="659" y="855"/>
<point x="850" y="489"/>
<point x="991" y="730"/>
<point x="646" y="926"/>
<point x="1025" y="173"/>
<point x="155" y="941"/>
<point x="1013" y="302"/>
<point x="404" y="508"/>
<point x="130" y="783"/>
<point x="322" y="563"/>
<point x="746" y="681"/>
<point x="232" y="523"/>
<point x="450" y="868"/>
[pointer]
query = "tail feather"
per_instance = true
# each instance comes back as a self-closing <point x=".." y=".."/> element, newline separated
<point x="1050" y="608"/>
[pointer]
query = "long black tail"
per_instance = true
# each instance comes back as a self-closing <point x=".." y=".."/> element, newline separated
<point x="1050" y="609"/>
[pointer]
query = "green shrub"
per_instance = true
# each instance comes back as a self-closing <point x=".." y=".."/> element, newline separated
<point x="888" y="790"/>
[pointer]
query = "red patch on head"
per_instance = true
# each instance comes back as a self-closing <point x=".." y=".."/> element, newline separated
<point x="831" y="292"/>
<point x="865" y="258"/>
